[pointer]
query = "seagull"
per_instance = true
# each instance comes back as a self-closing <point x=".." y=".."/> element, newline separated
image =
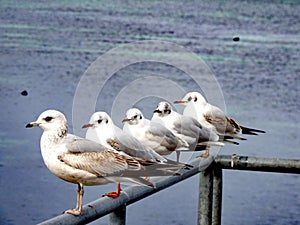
<point x="152" y="134"/>
<point x="84" y="162"/>
<point x="186" y="128"/>
<point x="101" y="129"/>
<point x="213" y="117"/>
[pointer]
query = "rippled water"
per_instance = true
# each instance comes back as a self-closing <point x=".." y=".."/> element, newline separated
<point x="46" y="48"/>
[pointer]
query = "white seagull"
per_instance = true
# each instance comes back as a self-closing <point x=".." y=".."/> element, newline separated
<point x="185" y="127"/>
<point x="211" y="116"/>
<point x="152" y="134"/>
<point x="84" y="162"/>
<point x="101" y="129"/>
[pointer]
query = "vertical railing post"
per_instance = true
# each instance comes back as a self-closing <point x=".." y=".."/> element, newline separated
<point x="217" y="195"/>
<point x="205" y="197"/>
<point x="118" y="217"/>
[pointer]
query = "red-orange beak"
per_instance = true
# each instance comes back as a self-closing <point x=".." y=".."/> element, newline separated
<point x="125" y="120"/>
<point x="87" y="125"/>
<point x="179" y="101"/>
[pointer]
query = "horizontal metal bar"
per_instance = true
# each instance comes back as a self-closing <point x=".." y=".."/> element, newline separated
<point x="258" y="164"/>
<point x="105" y="205"/>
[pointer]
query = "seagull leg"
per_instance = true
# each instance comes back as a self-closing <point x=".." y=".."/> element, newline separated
<point x="205" y="154"/>
<point x="77" y="211"/>
<point x="234" y="159"/>
<point x="177" y="156"/>
<point x="116" y="193"/>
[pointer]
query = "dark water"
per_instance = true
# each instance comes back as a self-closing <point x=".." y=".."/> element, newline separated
<point x="46" y="48"/>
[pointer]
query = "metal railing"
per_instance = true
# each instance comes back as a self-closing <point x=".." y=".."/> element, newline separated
<point x="211" y="181"/>
<point x="210" y="189"/>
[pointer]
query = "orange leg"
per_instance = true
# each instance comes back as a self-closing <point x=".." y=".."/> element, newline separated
<point x="116" y="193"/>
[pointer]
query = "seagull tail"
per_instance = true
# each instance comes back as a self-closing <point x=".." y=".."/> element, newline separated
<point x="142" y="181"/>
<point x="210" y="143"/>
<point x="228" y="137"/>
<point x="232" y="136"/>
<point x="230" y="142"/>
<point x="131" y="177"/>
<point x="182" y="149"/>
<point x="251" y="131"/>
<point x="177" y="165"/>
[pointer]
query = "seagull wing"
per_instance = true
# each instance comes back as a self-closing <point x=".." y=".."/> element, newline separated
<point x="131" y="146"/>
<point x="95" y="158"/>
<point x="218" y="118"/>
<point x="78" y="144"/>
<point x="192" y="128"/>
<point x="162" y="135"/>
<point x="187" y="126"/>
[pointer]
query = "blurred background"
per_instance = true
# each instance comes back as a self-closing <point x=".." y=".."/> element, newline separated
<point x="252" y="47"/>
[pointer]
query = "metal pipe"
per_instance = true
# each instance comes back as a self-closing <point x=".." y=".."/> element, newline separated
<point x="258" y="164"/>
<point x="207" y="194"/>
<point x="217" y="195"/>
<point x="205" y="197"/>
<point x="118" y="217"/>
<point x="103" y="206"/>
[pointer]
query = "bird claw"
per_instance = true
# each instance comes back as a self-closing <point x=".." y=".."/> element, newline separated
<point x="234" y="159"/>
<point x="204" y="155"/>
<point x="113" y="194"/>
<point x="75" y="212"/>
<point x="239" y="160"/>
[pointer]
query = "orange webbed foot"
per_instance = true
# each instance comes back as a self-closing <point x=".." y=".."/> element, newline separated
<point x="116" y="193"/>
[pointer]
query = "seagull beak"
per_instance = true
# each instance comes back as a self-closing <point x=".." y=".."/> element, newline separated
<point x="180" y="102"/>
<point x="32" y="124"/>
<point x="125" y="120"/>
<point x="87" y="125"/>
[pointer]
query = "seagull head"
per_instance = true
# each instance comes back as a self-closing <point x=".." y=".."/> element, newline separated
<point x="99" y="119"/>
<point x="192" y="97"/>
<point x="133" y="116"/>
<point x="51" y="120"/>
<point x="163" y="109"/>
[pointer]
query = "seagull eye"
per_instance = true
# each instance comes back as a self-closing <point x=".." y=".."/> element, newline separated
<point x="141" y="117"/>
<point x="99" y="121"/>
<point x="189" y="98"/>
<point x="48" y="118"/>
<point x="195" y="99"/>
<point x="135" y="117"/>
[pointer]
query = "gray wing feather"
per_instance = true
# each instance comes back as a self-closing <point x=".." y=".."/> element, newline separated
<point x="187" y="126"/>
<point x="218" y="118"/>
<point x="191" y="127"/>
<point x="103" y="163"/>
<point x="131" y="146"/>
<point x="163" y="135"/>
<point x="77" y="144"/>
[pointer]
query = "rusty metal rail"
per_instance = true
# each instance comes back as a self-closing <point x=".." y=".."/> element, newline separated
<point x="210" y="189"/>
